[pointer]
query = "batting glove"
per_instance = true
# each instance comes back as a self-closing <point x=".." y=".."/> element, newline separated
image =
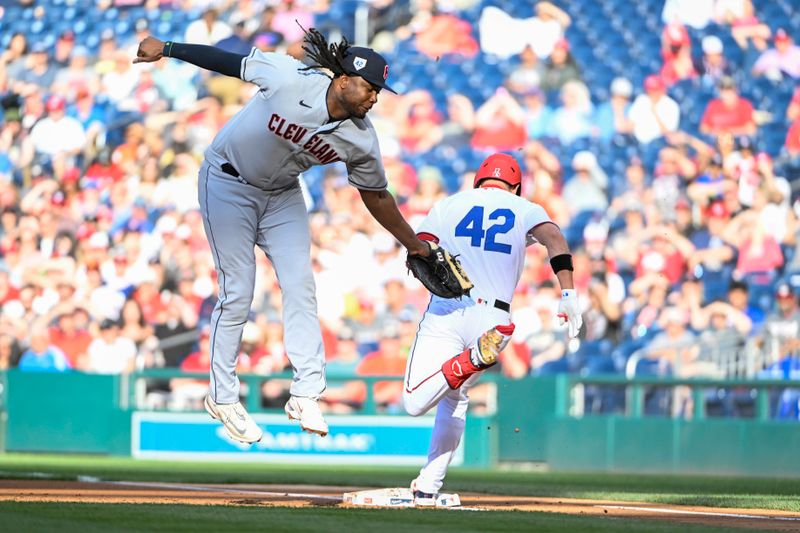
<point x="569" y="312"/>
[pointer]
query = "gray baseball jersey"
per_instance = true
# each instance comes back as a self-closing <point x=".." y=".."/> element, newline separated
<point x="285" y="129"/>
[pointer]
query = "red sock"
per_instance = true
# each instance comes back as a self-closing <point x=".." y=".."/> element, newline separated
<point x="458" y="369"/>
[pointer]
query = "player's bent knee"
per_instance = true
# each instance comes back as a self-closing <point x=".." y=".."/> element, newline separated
<point x="413" y="406"/>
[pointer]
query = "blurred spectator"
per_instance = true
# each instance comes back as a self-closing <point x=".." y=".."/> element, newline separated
<point x="42" y="355"/>
<point x="268" y="41"/>
<point x="586" y="190"/>
<point x="781" y="332"/>
<point x="712" y="253"/>
<point x="505" y="36"/>
<point x="430" y="189"/>
<point x="722" y="326"/>
<point x="560" y="68"/>
<point x="759" y="251"/>
<point x="674" y="348"/>
<point x="711" y="184"/>
<point x="792" y="143"/>
<point x="458" y="126"/>
<point x="9" y="352"/>
<point x="547" y="345"/>
<point x="445" y="33"/>
<point x="545" y="195"/>
<point x="189" y="392"/>
<point x="89" y="114"/>
<point x="635" y="192"/>
<point x="237" y="42"/>
<point x="132" y="323"/>
<point x="528" y="75"/>
<point x="78" y="74"/>
<point x="499" y="123"/>
<point x="793" y="110"/>
<point x="174" y="326"/>
<point x="680" y="66"/>
<point x="672" y="168"/>
<point x="263" y="352"/>
<point x="745" y="26"/>
<point x="654" y="113"/>
<point x="603" y="318"/>
<point x="420" y="130"/>
<point x="65" y="44"/>
<point x="730" y="113"/>
<point x="15" y="142"/>
<point x="694" y="13"/>
<point x="343" y="396"/>
<point x="573" y="120"/>
<point x="39" y="72"/>
<point x="289" y="17"/>
<point x="13" y="57"/>
<point x="70" y="339"/>
<point x="106" y="52"/>
<point x="783" y="60"/>
<point x="388" y="360"/>
<point x="207" y="30"/>
<point x="662" y="251"/>
<point x="674" y="37"/>
<point x="121" y="82"/>
<point x="713" y="66"/>
<point x="110" y="353"/>
<point x="58" y="135"/>
<point x="611" y="116"/>
<point x="538" y="114"/>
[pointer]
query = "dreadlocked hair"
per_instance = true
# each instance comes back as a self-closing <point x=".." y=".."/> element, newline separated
<point x="325" y="55"/>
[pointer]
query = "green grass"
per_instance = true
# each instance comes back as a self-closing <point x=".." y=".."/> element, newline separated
<point x="86" y="518"/>
<point x="757" y="493"/>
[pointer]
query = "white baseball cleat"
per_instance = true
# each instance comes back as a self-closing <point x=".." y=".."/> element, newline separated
<point x="422" y="499"/>
<point x="307" y="412"/>
<point x="238" y="424"/>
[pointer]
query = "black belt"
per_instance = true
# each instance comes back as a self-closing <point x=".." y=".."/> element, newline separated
<point x="227" y="168"/>
<point x="500" y="304"/>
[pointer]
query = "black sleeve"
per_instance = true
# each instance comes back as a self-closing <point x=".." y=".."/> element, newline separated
<point x="207" y="57"/>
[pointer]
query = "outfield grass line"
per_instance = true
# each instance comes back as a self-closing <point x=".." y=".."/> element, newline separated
<point x="698" y="513"/>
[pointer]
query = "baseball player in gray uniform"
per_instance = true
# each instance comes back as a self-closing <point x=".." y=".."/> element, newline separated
<point x="250" y="195"/>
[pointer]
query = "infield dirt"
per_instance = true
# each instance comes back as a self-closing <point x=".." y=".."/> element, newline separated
<point x="330" y="496"/>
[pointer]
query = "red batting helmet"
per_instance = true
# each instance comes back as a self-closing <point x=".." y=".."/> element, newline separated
<point x="499" y="167"/>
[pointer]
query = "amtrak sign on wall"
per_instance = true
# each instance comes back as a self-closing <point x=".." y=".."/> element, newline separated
<point x="382" y="440"/>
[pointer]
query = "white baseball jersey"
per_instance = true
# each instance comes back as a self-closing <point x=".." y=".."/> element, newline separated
<point x="488" y="229"/>
<point x="284" y="129"/>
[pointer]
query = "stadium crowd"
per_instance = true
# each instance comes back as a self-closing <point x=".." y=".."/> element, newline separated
<point x="684" y="225"/>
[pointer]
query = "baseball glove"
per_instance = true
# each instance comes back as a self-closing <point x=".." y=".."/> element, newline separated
<point x="440" y="272"/>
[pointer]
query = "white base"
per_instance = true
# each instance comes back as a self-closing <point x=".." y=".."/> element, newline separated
<point x="396" y="497"/>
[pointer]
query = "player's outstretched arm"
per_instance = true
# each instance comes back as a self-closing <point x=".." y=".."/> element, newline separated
<point x="382" y="206"/>
<point x="207" y="57"/>
<point x="561" y="260"/>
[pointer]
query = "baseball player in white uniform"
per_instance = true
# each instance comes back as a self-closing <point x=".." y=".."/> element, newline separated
<point x="250" y="196"/>
<point x="489" y="228"/>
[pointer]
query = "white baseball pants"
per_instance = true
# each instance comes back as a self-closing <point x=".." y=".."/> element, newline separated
<point x="442" y="335"/>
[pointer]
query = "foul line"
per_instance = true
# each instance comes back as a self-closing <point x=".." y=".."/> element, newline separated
<point x="196" y="488"/>
<point x="698" y="513"/>
<point x="219" y="489"/>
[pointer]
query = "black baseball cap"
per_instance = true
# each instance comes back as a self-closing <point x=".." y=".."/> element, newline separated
<point x="369" y="64"/>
